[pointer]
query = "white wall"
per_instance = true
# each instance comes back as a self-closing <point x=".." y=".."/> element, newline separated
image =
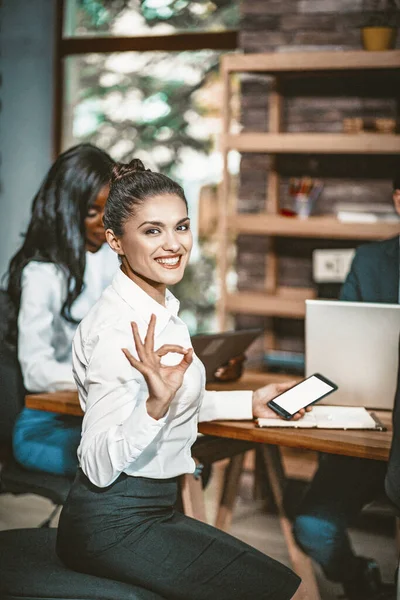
<point x="26" y="50"/>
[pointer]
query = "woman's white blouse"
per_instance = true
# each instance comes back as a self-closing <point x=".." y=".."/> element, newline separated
<point x="118" y="435"/>
<point x="44" y="336"/>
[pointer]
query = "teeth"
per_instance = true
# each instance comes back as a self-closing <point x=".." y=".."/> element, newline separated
<point x="168" y="261"/>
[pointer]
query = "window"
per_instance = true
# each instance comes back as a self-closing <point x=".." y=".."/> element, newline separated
<point x="140" y="78"/>
<point x="147" y="17"/>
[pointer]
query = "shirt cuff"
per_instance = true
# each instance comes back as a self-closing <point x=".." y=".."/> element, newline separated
<point x="140" y="428"/>
<point x="237" y="405"/>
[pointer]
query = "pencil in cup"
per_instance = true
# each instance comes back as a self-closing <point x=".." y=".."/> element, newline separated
<point x="305" y="193"/>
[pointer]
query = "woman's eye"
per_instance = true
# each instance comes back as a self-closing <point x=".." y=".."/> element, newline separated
<point x="183" y="227"/>
<point x="152" y="231"/>
<point x="92" y="214"/>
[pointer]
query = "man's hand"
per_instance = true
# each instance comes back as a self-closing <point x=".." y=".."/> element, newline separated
<point x="267" y="393"/>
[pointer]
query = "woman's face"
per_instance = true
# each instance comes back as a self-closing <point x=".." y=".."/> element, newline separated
<point x="94" y="228"/>
<point x="156" y="244"/>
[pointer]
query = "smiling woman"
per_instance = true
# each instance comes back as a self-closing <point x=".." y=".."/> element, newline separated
<point x="142" y="399"/>
<point x="154" y="253"/>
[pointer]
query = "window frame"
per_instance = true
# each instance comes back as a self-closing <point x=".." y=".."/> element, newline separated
<point x="174" y="42"/>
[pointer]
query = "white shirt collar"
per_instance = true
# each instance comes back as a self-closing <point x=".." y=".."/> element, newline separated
<point x="144" y="304"/>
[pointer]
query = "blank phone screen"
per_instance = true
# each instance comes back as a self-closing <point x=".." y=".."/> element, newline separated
<point x="303" y="394"/>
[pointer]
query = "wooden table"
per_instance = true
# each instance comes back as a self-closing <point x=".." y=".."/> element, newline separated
<point x="362" y="444"/>
<point x="67" y="403"/>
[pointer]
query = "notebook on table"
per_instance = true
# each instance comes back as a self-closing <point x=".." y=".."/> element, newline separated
<point x="330" y="417"/>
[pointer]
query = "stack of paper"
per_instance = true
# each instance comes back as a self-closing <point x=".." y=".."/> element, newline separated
<point x="329" y="417"/>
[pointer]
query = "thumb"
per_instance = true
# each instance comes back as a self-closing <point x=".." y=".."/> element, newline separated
<point x="283" y="387"/>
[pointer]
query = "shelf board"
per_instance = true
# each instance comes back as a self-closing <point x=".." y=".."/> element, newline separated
<point x="277" y="62"/>
<point x="319" y="143"/>
<point x="287" y="303"/>
<point x="313" y="227"/>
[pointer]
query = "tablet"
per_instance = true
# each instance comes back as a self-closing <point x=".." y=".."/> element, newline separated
<point x="216" y="349"/>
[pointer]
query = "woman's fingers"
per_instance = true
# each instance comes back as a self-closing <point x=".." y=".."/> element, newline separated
<point x="163" y="350"/>
<point x="299" y="415"/>
<point x="133" y="361"/>
<point x="149" y="339"/>
<point x="138" y="342"/>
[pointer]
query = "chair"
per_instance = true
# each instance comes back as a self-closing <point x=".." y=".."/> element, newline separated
<point x="31" y="570"/>
<point x="14" y="479"/>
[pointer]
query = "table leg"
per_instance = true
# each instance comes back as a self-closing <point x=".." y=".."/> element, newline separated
<point x="193" y="497"/>
<point x="301" y="562"/>
<point x="229" y="492"/>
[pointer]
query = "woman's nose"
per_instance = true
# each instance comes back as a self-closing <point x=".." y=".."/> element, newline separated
<point x="171" y="243"/>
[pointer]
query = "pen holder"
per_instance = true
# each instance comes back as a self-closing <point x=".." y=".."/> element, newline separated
<point x="303" y="205"/>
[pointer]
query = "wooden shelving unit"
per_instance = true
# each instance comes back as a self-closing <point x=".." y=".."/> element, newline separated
<point x="323" y="143"/>
<point x="275" y="301"/>
<point x="313" y="227"/>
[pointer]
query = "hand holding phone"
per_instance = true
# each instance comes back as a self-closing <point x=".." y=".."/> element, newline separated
<point x="301" y="395"/>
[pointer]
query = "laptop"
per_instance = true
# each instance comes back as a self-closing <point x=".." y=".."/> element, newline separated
<point x="356" y="345"/>
<point x="216" y="349"/>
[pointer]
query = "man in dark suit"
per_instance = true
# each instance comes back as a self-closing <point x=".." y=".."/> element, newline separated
<point x="343" y="485"/>
<point x="374" y="273"/>
<point x="392" y="480"/>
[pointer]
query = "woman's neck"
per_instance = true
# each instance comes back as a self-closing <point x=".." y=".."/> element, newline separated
<point x="154" y="289"/>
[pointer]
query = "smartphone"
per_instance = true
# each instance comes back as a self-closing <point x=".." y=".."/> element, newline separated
<point x="303" y="394"/>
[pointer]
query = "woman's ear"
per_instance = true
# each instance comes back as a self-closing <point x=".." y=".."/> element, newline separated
<point x="114" y="242"/>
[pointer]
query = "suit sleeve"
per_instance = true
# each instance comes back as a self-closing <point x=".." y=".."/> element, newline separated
<point x="352" y="288"/>
<point x="392" y="481"/>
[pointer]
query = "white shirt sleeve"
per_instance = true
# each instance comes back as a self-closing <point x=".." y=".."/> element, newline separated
<point x="40" y="303"/>
<point x="231" y="405"/>
<point x="116" y="426"/>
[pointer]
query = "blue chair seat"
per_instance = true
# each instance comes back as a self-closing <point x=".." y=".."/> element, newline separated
<point x="31" y="570"/>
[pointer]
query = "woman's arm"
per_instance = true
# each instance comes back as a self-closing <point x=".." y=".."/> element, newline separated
<point x="117" y="426"/>
<point x="128" y="396"/>
<point x="41" y="301"/>
<point x="243" y="405"/>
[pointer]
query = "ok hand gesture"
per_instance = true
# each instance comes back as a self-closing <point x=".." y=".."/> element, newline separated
<point x="163" y="382"/>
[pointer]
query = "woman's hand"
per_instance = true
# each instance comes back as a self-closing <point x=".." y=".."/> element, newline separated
<point x="163" y="382"/>
<point x="269" y="392"/>
<point x="232" y="370"/>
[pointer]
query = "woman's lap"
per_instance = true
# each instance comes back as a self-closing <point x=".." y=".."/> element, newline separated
<point x="161" y="549"/>
<point x="189" y="560"/>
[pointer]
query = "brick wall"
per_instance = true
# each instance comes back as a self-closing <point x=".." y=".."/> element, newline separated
<point x="311" y="105"/>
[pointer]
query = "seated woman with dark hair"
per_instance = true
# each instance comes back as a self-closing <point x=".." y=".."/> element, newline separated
<point x="55" y="277"/>
<point x="142" y="397"/>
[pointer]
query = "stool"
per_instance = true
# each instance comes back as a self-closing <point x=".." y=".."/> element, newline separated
<point x="30" y="569"/>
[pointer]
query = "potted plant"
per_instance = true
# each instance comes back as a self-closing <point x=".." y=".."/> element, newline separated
<point x="380" y="24"/>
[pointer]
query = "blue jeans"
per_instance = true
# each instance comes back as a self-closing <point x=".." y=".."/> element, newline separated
<point x="44" y="441"/>
<point x="341" y="487"/>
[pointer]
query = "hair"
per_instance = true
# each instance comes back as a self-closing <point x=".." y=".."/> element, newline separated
<point x="56" y="231"/>
<point x="131" y="185"/>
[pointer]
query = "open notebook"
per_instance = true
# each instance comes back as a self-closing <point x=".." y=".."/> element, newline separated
<point x="330" y="417"/>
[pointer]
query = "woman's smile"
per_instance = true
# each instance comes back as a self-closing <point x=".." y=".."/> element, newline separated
<point x="169" y="262"/>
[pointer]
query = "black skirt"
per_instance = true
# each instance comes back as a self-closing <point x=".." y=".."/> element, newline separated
<point x="131" y="532"/>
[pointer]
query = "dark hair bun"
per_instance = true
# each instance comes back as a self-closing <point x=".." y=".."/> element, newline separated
<point x="121" y="170"/>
